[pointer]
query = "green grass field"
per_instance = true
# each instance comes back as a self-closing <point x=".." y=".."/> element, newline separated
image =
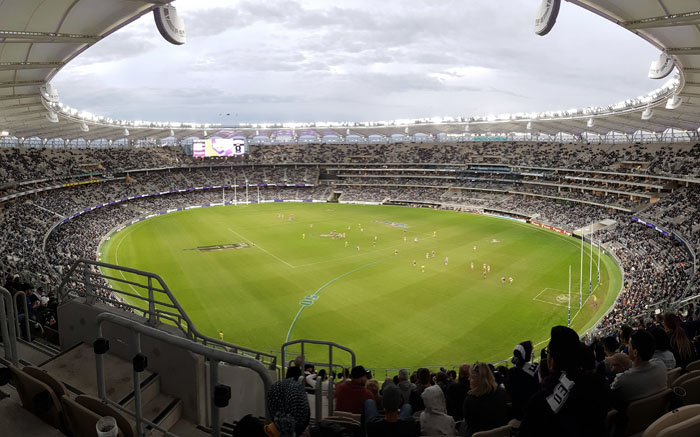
<point x="294" y="281"/>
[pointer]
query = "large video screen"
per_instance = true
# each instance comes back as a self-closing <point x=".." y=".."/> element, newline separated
<point x="218" y="147"/>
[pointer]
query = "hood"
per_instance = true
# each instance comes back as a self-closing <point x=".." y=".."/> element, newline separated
<point x="434" y="399"/>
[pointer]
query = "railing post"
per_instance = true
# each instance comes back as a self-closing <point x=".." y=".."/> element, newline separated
<point x="7" y="323"/>
<point x="318" y="397"/>
<point x="152" y="320"/>
<point x="214" y="413"/>
<point x="136" y="349"/>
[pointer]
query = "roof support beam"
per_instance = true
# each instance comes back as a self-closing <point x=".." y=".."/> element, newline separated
<point x="19" y="96"/>
<point x="5" y="66"/>
<point x="684" y="19"/>
<point x="21" y="83"/>
<point x="18" y="36"/>
<point x="20" y="105"/>
<point x="683" y="51"/>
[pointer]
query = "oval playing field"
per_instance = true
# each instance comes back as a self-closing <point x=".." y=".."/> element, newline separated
<point x="268" y="273"/>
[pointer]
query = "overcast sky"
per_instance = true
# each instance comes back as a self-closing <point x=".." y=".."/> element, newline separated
<point x="357" y="60"/>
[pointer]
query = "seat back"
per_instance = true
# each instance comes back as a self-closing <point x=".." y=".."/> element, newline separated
<point x="683" y="422"/>
<point x="695" y="365"/>
<point x="672" y="375"/>
<point x="57" y="386"/>
<point x="690" y="375"/>
<point x="101" y="409"/>
<point x="38" y="398"/>
<point x="81" y="421"/>
<point x="692" y="391"/>
<point x="643" y="412"/>
<point x="503" y="431"/>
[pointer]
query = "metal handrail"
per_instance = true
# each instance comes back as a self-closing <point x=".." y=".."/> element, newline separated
<point x="329" y="364"/>
<point x="86" y="273"/>
<point x="214" y="357"/>
<point x="8" y="326"/>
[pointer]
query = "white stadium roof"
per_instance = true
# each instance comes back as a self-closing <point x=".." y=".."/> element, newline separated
<point x="37" y="38"/>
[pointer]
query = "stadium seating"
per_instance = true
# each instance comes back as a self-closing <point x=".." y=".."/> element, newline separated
<point x="683" y="422"/>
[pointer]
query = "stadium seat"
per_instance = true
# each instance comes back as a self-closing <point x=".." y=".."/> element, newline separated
<point x="81" y="420"/>
<point x="683" y="422"/>
<point x="690" y="375"/>
<point x="642" y="412"/>
<point x="100" y="408"/>
<point x="692" y="391"/>
<point x="672" y="375"/>
<point x="503" y="431"/>
<point x="695" y="365"/>
<point x="38" y="398"/>
<point x="57" y="386"/>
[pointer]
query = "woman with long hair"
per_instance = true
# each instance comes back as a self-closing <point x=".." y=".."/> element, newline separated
<point x="680" y="345"/>
<point x="485" y="404"/>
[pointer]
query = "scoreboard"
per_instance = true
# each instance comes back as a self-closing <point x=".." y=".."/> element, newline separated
<point x="218" y="147"/>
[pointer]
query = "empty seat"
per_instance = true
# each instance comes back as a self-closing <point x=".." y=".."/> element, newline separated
<point x="690" y="375"/>
<point x="82" y="421"/>
<point x="672" y="375"/>
<point x="692" y="391"/>
<point x="57" y="386"/>
<point x="38" y="398"/>
<point x="643" y="412"/>
<point x="695" y="365"/>
<point x="103" y="409"/>
<point x="683" y="422"/>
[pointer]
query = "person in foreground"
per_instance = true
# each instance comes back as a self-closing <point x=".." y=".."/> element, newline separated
<point x="645" y="377"/>
<point x="289" y="408"/>
<point x="351" y="395"/>
<point x="434" y="419"/>
<point x="395" y="423"/>
<point x="485" y="405"/>
<point x="572" y="401"/>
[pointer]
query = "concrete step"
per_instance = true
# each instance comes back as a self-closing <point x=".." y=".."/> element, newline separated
<point x="77" y="369"/>
<point x="163" y="410"/>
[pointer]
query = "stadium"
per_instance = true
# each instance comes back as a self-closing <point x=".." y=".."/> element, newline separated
<point x="232" y="278"/>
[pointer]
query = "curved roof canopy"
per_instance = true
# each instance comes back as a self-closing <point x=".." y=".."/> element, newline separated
<point x="38" y="37"/>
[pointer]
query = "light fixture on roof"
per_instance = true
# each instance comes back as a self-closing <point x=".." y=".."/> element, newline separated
<point x="466" y="127"/>
<point x="590" y="122"/>
<point x="661" y="67"/>
<point x="172" y="133"/>
<point x="647" y="114"/>
<point x="84" y="127"/>
<point x="674" y="102"/>
<point x="546" y="16"/>
<point x="126" y="132"/>
<point x="52" y="117"/>
<point x="205" y="133"/>
<point x="529" y="125"/>
<point x="170" y="25"/>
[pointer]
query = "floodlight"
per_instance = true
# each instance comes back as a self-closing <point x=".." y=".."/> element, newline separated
<point x="647" y="114"/>
<point x="205" y="133"/>
<point x="172" y="133"/>
<point x="590" y="122"/>
<point x="169" y="24"/>
<point x="546" y="16"/>
<point x="126" y="132"/>
<point x="84" y="127"/>
<point x="674" y="102"/>
<point x="662" y="67"/>
<point x="529" y="125"/>
<point x="52" y="117"/>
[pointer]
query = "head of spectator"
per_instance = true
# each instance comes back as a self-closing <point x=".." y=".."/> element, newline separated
<point x="423" y="377"/>
<point x="619" y="362"/>
<point x="464" y="370"/>
<point x="563" y="349"/>
<point x="678" y="339"/>
<point x="289" y="408"/>
<point x="373" y="386"/>
<point x="434" y="400"/>
<point x="391" y="397"/>
<point x="625" y="333"/>
<point x="358" y="375"/>
<point x="481" y="380"/>
<point x="522" y="353"/>
<point x="642" y="347"/>
<point x="610" y="345"/>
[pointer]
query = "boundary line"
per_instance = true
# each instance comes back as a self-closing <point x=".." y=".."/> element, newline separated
<point x="317" y="292"/>
<point x="260" y="247"/>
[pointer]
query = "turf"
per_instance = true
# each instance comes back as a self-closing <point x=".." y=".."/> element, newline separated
<point x="388" y="311"/>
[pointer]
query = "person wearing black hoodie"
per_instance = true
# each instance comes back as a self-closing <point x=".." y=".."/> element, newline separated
<point x="571" y="401"/>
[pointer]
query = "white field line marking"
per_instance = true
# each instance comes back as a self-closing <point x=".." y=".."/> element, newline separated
<point x="116" y="259"/>
<point x="260" y="247"/>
